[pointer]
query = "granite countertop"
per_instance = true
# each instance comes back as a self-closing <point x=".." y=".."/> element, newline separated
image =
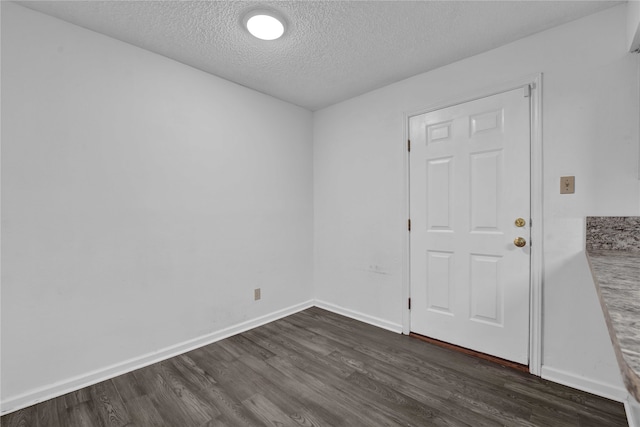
<point x="615" y="266"/>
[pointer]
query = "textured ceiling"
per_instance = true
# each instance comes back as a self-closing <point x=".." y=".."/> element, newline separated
<point x="332" y="50"/>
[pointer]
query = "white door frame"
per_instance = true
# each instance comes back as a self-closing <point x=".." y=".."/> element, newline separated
<point x="535" y="300"/>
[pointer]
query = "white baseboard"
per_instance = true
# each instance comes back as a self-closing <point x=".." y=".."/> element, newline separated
<point x="375" y="321"/>
<point x="632" y="409"/>
<point x="71" y="384"/>
<point x="609" y="391"/>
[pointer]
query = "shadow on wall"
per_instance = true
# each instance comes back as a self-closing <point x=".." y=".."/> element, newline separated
<point x="571" y="280"/>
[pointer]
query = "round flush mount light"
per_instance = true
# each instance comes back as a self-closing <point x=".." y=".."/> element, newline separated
<point x="264" y="25"/>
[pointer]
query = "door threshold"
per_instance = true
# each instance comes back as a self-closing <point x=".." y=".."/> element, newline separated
<point x="479" y="355"/>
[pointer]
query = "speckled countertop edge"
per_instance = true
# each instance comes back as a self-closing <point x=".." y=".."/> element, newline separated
<point x="615" y="267"/>
<point x="611" y="271"/>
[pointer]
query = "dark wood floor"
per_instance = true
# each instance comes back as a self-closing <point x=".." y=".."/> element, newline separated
<point x="316" y="368"/>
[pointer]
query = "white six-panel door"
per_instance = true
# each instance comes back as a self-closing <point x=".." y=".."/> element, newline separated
<point x="469" y="182"/>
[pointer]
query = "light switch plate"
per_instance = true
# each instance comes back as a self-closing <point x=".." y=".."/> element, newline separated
<point x="567" y="184"/>
<point x="256" y="294"/>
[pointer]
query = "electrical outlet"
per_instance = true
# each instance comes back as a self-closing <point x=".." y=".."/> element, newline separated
<point x="567" y="184"/>
<point x="256" y="294"/>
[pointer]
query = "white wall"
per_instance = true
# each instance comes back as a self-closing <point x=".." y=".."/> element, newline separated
<point x="143" y="200"/>
<point x="590" y="130"/>
<point x="633" y="24"/>
<point x="632" y="408"/>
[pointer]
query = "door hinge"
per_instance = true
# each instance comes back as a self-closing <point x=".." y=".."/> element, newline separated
<point x="408" y="145"/>
<point x="409" y="224"/>
<point x="409" y="303"/>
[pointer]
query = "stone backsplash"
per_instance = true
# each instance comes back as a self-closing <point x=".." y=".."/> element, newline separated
<point x="621" y="233"/>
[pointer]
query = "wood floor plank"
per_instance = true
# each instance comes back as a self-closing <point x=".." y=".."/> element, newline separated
<point x="296" y="400"/>
<point x="298" y="352"/>
<point x="239" y="345"/>
<point x="434" y="396"/>
<point x="214" y="364"/>
<point x="47" y="412"/>
<point x="341" y="400"/>
<point x="128" y="386"/>
<point x="109" y="404"/>
<point x="192" y="373"/>
<point x="232" y="412"/>
<point x="318" y="376"/>
<point x="23" y="418"/>
<point x="439" y="391"/>
<point x="174" y="408"/>
<point x="78" y="396"/>
<point x="352" y="365"/>
<point x="442" y="372"/>
<point x="287" y="367"/>
<point x="270" y="414"/>
<point x="402" y="407"/>
<point x="253" y="367"/>
<point x="84" y="414"/>
<point x="317" y="368"/>
<point x="143" y="412"/>
<point x="186" y="393"/>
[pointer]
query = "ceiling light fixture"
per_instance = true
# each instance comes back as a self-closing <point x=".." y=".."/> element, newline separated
<point x="264" y="25"/>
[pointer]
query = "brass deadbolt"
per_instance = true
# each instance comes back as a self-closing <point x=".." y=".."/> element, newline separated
<point x="520" y="222"/>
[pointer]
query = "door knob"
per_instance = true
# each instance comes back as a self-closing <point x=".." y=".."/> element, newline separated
<point x="519" y="242"/>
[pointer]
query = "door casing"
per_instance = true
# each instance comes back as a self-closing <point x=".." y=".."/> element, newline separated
<point x="535" y="298"/>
